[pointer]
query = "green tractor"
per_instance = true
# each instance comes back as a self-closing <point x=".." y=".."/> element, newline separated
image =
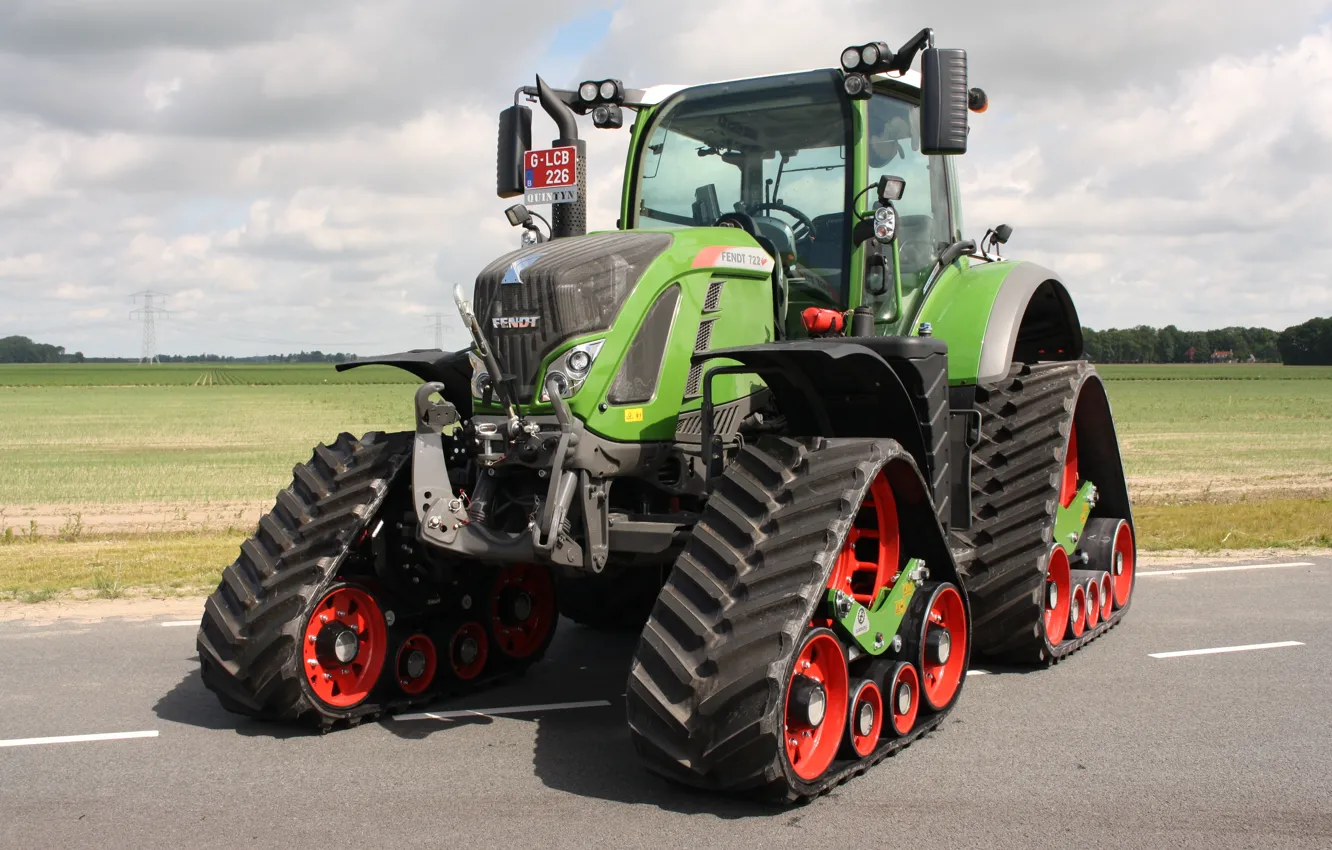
<point x="784" y="420"/>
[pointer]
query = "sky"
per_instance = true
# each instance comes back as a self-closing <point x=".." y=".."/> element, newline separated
<point x="318" y="174"/>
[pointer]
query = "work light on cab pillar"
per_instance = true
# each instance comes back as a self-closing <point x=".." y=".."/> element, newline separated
<point x="787" y="321"/>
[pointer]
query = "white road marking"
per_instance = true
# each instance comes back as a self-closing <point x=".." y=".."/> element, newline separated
<point x="1187" y="570"/>
<point x="1219" y="649"/>
<point x="180" y="623"/>
<point x="77" y="739"/>
<point x="495" y="712"/>
<point x="978" y="672"/>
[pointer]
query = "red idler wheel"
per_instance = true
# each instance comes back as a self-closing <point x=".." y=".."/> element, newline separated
<point x="1107" y="597"/>
<point x="1077" y="611"/>
<point x="865" y="722"/>
<point x="416" y="664"/>
<point x="1108" y="544"/>
<point x="815" y="704"/>
<point x="468" y="650"/>
<point x="1058" y="590"/>
<point x="903" y="698"/>
<point x="943" y="647"/>
<point x="522" y="609"/>
<point x="345" y="644"/>
<point x="869" y="558"/>
<point x="1121" y="568"/>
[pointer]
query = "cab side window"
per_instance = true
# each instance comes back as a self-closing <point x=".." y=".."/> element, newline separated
<point x="924" y="228"/>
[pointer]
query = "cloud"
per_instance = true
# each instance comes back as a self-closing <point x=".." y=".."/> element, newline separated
<point x="319" y="174"/>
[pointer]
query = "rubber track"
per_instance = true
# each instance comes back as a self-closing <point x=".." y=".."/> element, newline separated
<point x="702" y="691"/>
<point x="250" y="635"/>
<point x="1016" y="470"/>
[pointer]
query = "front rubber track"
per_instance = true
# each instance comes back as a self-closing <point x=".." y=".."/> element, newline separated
<point x="703" y="691"/>
<point x="1016" y="468"/>
<point x="250" y="635"/>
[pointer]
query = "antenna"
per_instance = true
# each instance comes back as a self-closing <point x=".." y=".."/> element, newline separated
<point x="148" y="314"/>
<point x="438" y="319"/>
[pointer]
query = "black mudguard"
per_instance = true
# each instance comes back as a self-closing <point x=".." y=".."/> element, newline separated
<point x="450" y="368"/>
<point x="847" y="387"/>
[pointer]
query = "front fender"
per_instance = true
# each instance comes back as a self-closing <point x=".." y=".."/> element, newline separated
<point x="453" y="369"/>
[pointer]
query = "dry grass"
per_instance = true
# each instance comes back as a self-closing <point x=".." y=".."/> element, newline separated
<point x="1214" y="527"/>
<point x="110" y="566"/>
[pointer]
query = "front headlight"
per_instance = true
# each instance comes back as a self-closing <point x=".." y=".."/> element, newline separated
<point x="571" y="368"/>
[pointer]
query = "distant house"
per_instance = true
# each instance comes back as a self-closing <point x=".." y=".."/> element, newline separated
<point x="1220" y="356"/>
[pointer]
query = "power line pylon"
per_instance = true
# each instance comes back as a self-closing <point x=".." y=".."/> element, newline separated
<point x="438" y="319"/>
<point x="148" y="314"/>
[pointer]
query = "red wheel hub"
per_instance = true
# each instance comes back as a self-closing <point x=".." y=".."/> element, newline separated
<point x="416" y="664"/>
<point x="1058" y="595"/>
<point x="468" y="650"/>
<point x="815" y="704"/>
<point x="1121" y="567"/>
<point x="866" y="719"/>
<point x="344" y="646"/>
<point x="943" y="647"/>
<point x="868" y="560"/>
<point x="904" y="699"/>
<point x="522" y="609"/>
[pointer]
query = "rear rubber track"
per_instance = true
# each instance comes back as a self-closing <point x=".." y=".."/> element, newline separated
<point x="702" y="704"/>
<point x="1015" y="479"/>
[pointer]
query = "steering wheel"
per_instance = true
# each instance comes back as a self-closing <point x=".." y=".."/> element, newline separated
<point x="804" y="228"/>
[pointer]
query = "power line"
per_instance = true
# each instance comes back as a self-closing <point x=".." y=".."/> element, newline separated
<point x="439" y="329"/>
<point x="148" y="314"/>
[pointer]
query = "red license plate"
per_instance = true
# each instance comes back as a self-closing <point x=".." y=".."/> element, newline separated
<point x="550" y="169"/>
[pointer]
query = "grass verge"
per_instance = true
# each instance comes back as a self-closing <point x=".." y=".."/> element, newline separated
<point x="1216" y="527"/>
<point x="112" y="566"/>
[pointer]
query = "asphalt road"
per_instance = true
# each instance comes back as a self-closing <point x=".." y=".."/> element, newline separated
<point x="1114" y="748"/>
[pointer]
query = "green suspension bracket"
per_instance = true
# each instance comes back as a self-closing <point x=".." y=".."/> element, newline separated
<point x="1071" y="520"/>
<point x="872" y="627"/>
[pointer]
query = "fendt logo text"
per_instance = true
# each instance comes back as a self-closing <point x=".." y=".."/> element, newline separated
<point x="515" y="322"/>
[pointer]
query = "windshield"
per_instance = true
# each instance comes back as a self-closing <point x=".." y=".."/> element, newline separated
<point x="773" y="148"/>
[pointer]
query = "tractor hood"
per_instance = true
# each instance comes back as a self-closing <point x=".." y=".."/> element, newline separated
<point x="530" y="301"/>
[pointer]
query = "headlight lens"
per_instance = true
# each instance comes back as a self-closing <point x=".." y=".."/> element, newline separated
<point x="869" y="55"/>
<point x="588" y="91"/>
<point x="851" y="58"/>
<point x="571" y="368"/>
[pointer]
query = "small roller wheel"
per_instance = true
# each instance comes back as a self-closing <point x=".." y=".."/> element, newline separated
<point x="865" y="722"/>
<point x="1058" y="592"/>
<point x="416" y="664"/>
<point x="469" y="649"/>
<point x="904" y="699"/>
<point x="1077" y="611"/>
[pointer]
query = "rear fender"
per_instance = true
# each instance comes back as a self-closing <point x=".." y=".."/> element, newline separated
<point x="995" y="314"/>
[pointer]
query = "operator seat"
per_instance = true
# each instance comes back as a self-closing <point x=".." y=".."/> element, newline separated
<point x="780" y="288"/>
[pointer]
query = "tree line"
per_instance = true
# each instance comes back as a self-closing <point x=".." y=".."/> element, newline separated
<point x="1305" y="344"/>
<point x="20" y="349"/>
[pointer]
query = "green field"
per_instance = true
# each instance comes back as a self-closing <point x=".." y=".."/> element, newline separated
<point x="151" y="474"/>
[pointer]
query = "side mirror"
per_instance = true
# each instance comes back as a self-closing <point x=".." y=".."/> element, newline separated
<point x="515" y="139"/>
<point x="943" y="101"/>
<point x="891" y="188"/>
